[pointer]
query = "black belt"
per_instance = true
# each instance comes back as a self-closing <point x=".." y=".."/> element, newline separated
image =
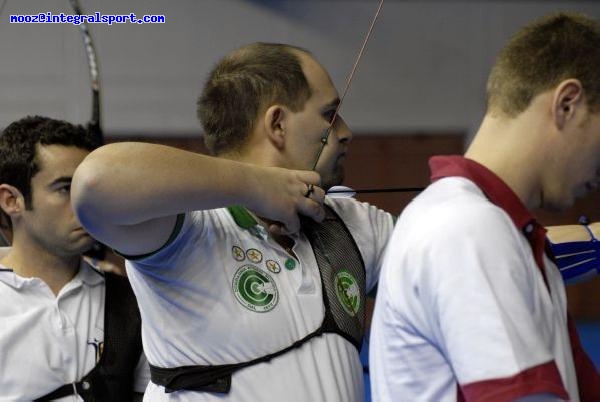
<point x="215" y="379"/>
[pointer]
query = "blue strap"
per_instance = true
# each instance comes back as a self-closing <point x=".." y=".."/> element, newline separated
<point x="578" y="258"/>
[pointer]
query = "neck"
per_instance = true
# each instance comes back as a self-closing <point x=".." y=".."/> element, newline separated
<point x="252" y="156"/>
<point x="257" y="150"/>
<point x="521" y="169"/>
<point x="32" y="260"/>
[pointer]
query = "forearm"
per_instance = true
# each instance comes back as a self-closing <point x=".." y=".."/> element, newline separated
<point x="570" y="233"/>
<point x="129" y="183"/>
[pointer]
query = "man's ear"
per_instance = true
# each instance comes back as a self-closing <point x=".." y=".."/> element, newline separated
<point x="275" y="123"/>
<point x="12" y="201"/>
<point x="568" y="97"/>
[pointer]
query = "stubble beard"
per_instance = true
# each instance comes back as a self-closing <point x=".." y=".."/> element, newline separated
<point x="336" y="178"/>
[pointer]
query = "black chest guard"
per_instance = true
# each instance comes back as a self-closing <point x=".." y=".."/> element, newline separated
<point x="111" y="380"/>
<point x="343" y="278"/>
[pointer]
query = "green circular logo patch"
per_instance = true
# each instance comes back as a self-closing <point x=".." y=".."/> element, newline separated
<point x="255" y="289"/>
<point x="347" y="292"/>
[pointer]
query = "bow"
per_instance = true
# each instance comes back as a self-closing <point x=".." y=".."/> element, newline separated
<point x="325" y="137"/>
<point x="98" y="250"/>
<point x="94" y="125"/>
<point x="342" y="190"/>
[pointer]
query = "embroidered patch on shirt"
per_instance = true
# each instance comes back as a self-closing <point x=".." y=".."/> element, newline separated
<point x="347" y="292"/>
<point x="273" y="266"/>
<point x="255" y="289"/>
<point x="237" y="253"/>
<point x="254" y="255"/>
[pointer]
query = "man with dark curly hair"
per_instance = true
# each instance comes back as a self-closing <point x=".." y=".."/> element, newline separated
<point x="66" y="328"/>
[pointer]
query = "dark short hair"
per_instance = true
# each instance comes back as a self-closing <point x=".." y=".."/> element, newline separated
<point x="18" y="142"/>
<point x="541" y="55"/>
<point x="245" y="81"/>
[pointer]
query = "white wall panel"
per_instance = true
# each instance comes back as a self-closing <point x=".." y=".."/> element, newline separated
<point x="424" y="69"/>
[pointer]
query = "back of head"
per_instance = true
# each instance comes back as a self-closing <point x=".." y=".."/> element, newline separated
<point x="19" y="141"/>
<point x="540" y="56"/>
<point x="242" y="85"/>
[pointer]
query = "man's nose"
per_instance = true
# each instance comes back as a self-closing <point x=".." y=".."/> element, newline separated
<point x="342" y="131"/>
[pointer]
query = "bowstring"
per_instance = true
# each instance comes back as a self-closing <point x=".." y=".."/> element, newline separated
<point x="325" y="138"/>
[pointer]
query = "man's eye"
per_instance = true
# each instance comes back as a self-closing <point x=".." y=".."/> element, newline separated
<point x="329" y="115"/>
<point x="65" y="189"/>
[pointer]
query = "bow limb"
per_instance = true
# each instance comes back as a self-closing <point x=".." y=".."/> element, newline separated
<point x="94" y="125"/>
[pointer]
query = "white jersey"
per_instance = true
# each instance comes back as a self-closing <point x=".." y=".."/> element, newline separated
<point x="47" y="341"/>
<point x="218" y="295"/>
<point x="463" y="310"/>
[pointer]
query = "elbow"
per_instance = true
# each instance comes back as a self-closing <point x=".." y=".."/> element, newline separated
<point x="86" y="199"/>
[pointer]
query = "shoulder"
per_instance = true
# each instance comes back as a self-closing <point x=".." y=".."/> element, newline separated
<point x="367" y="223"/>
<point x="454" y="205"/>
<point x="452" y="221"/>
<point x="351" y="211"/>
